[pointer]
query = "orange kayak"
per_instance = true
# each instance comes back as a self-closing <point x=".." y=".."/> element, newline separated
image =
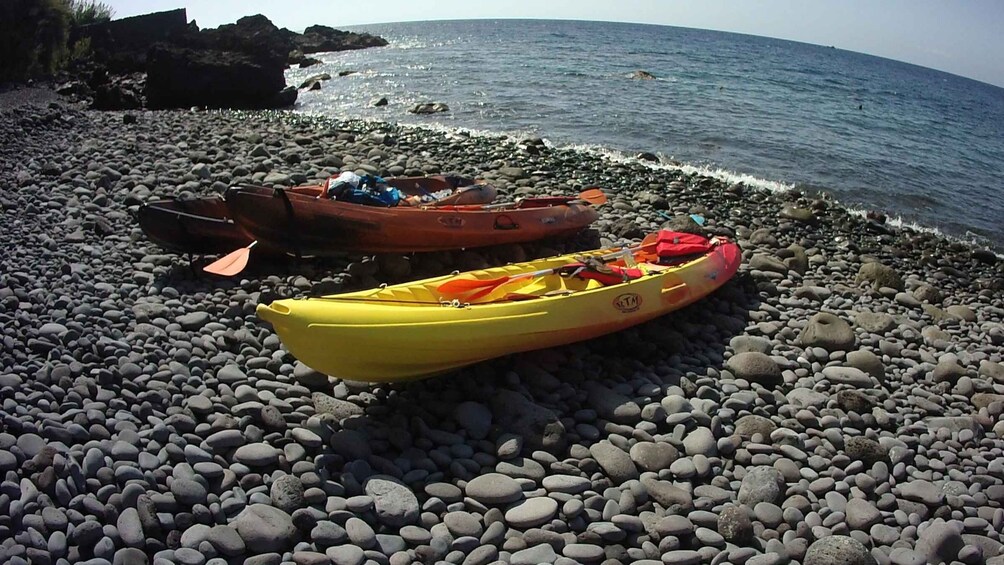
<point x="319" y="226"/>
<point x="205" y="226"/>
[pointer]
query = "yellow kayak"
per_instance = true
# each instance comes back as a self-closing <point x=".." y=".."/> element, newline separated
<point x="419" y="329"/>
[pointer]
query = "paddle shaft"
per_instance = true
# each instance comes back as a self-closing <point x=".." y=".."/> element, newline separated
<point x="592" y="196"/>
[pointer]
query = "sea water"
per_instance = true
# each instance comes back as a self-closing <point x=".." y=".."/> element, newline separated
<point x="924" y="146"/>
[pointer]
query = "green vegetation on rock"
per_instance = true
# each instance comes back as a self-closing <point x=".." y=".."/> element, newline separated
<point x="35" y="40"/>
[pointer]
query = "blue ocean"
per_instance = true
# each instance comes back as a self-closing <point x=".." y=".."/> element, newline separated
<point x="924" y="146"/>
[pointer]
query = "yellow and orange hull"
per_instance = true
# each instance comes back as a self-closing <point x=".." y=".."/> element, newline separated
<point x="411" y="331"/>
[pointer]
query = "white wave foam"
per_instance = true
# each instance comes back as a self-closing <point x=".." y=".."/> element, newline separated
<point x="724" y="175"/>
<point x="900" y="223"/>
<point x="734" y="177"/>
<point x="688" y="168"/>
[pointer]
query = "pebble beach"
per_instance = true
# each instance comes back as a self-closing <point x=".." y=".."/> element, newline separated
<point x="839" y="402"/>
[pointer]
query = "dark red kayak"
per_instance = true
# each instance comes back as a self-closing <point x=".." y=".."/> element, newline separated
<point x="205" y="226"/>
<point x="200" y="226"/>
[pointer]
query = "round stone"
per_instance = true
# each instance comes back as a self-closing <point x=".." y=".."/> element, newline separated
<point x="583" y="552"/>
<point x="829" y="332"/>
<point x="346" y="555"/>
<point x="653" y="456"/>
<point x="838" y="550"/>
<point x="532" y="512"/>
<point x="768" y="513"/>
<point x="615" y="461"/>
<point x="265" y="528"/>
<point x="861" y="514"/>
<point x="360" y="533"/>
<point x="701" y="441"/>
<point x="755" y="367"/>
<point x="394" y="502"/>
<point x="463" y="524"/>
<point x="494" y="489"/>
<point x="681" y="557"/>
<point x="446" y="492"/>
<point x="287" y="493"/>
<point x="677" y="526"/>
<point x="761" y="484"/>
<point x="188" y="492"/>
<point x="257" y="455"/>
<point x="750" y="425"/>
<point x="568" y="484"/>
<point x="226" y="540"/>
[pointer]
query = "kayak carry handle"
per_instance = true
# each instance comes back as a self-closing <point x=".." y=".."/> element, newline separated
<point x="271" y="312"/>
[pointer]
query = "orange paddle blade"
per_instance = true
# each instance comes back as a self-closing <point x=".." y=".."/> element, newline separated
<point x="459" y="286"/>
<point x="231" y="263"/>
<point x="483" y="292"/>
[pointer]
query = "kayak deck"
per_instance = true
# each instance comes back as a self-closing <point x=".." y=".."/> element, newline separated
<point x="415" y="330"/>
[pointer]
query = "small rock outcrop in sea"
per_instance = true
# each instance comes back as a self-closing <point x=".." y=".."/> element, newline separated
<point x="642" y="75"/>
<point x="313" y="82"/>
<point x="429" y="108"/>
<point x="320" y="38"/>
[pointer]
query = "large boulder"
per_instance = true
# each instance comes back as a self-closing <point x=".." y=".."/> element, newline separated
<point x="684" y="224"/>
<point x="941" y="541"/>
<point x="878" y="276"/>
<point x="829" y="332"/>
<point x="265" y="528"/>
<point x="181" y="77"/>
<point x="755" y="367"/>
<point x="394" y="502"/>
<point x="762" y="484"/>
<point x="838" y="550"/>
<point x="121" y="45"/>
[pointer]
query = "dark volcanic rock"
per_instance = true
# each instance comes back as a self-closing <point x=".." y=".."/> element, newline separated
<point x="237" y="65"/>
<point x="181" y="77"/>
<point x="318" y="38"/>
<point x="255" y="35"/>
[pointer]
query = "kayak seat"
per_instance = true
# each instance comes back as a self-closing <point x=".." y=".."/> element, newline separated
<point x="553" y="285"/>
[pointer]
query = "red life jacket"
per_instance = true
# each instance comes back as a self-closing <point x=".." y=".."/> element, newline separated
<point x="679" y="244"/>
